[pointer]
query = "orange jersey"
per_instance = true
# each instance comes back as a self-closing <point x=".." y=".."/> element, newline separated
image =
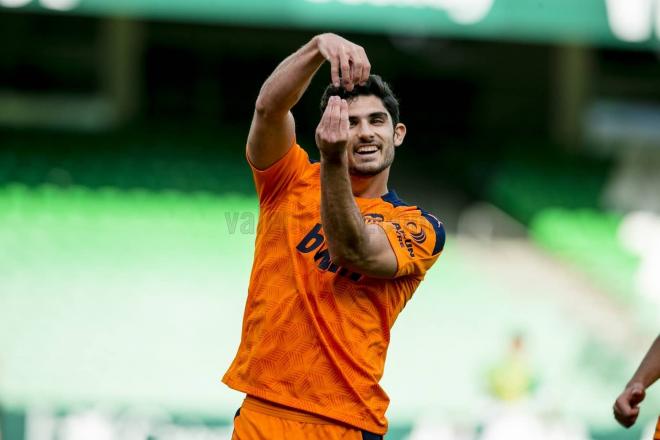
<point x="314" y="334"/>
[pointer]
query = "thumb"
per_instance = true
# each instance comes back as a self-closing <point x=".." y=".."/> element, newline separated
<point x="637" y="394"/>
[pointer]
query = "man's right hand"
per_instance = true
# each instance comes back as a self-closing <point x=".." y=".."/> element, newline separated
<point x="346" y="58"/>
<point x="626" y="407"/>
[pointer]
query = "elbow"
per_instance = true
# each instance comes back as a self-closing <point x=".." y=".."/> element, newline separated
<point x="269" y="105"/>
<point x="261" y="107"/>
<point x="339" y="259"/>
<point x="265" y="109"/>
<point x="349" y="257"/>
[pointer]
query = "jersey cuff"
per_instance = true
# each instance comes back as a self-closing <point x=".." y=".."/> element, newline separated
<point x="274" y="164"/>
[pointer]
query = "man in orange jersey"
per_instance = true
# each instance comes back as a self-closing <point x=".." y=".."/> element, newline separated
<point x="626" y="406"/>
<point x="337" y="255"/>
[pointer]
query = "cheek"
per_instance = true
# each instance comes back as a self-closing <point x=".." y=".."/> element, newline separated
<point x="387" y="134"/>
<point x="351" y="157"/>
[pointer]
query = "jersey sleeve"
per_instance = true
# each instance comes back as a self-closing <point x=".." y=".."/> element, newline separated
<point x="272" y="182"/>
<point x="417" y="240"/>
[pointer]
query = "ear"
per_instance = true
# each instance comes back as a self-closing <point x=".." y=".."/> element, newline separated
<point x="399" y="134"/>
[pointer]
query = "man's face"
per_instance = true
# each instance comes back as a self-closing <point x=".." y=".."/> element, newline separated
<point x="372" y="137"/>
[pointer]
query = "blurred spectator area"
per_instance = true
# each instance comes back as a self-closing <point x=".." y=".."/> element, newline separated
<point x="160" y="105"/>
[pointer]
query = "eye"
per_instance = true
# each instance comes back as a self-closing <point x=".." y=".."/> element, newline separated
<point x="377" y="121"/>
<point x="352" y="122"/>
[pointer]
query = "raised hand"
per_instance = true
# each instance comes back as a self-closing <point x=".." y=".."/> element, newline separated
<point x="346" y="58"/>
<point x="333" y="130"/>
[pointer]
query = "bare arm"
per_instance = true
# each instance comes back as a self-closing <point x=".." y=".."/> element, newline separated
<point x="352" y="243"/>
<point x="273" y="128"/>
<point x="649" y="370"/>
<point x="626" y="407"/>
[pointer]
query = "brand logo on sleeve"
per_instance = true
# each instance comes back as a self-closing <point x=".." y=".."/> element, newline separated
<point x="416" y="232"/>
<point x="404" y="241"/>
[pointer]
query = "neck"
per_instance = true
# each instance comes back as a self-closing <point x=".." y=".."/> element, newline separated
<point x="370" y="187"/>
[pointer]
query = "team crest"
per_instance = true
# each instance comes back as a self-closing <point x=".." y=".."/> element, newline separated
<point x="373" y="218"/>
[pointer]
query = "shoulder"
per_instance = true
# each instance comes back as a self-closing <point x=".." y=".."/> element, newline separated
<point x="416" y="219"/>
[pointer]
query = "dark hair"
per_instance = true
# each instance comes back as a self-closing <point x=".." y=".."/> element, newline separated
<point x="374" y="86"/>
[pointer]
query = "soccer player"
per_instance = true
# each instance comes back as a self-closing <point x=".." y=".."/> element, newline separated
<point x="337" y="254"/>
<point x="626" y="406"/>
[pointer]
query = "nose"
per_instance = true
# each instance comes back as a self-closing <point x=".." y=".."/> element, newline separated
<point x="365" y="133"/>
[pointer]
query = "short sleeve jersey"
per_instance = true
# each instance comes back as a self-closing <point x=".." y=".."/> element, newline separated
<point x="315" y="334"/>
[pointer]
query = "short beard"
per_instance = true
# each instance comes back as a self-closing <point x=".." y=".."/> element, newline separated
<point x="353" y="171"/>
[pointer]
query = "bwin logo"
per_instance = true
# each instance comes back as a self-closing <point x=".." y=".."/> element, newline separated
<point x="313" y="242"/>
<point x="633" y="20"/>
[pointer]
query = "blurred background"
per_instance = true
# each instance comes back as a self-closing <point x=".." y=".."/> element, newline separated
<point x="128" y="214"/>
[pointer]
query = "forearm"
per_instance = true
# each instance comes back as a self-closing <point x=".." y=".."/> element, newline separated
<point x="344" y="228"/>
<point x="288" y="82"/>
<point x="649" y="370"/>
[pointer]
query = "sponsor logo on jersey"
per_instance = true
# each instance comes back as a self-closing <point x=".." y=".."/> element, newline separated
<point x="313" y="241"/>
<point x="404" y="241"/>
<point x="416" y="232"/>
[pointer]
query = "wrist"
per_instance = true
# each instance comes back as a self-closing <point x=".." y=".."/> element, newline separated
<point x="639" y="382"/>
<point x="315" y="45"/>
<point x="336" y="158"/>
<point x="315" y="41"/>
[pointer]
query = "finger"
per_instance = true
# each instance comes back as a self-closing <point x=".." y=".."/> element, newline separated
<point x="624" y="421"/>
<point x="366" y="65"/>
<point x="619" y="416"/>
<point x="334" y="71"/>
<point x="327" y="114"/>
<point x="636" y="398"/>
<point x="335" y="116"/>
<point x="631" y="418"/>
<point x="345" y="67"/>
<point x="356" y="67"/>
<point x="637" y="394"/>
<point x="626" y="416"/>
<point x="324" y="126"/>
<point x="623" y="405"/>
<point x="343" y="119"/>
<point x="324" y="116"/>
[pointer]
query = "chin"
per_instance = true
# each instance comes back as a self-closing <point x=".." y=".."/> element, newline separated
<point x="366" y="170"/>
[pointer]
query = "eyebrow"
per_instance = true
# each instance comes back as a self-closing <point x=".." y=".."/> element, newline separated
<point x="372" y="115"/>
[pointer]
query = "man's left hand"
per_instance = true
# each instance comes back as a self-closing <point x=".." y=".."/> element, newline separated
<point x="333" y="130"/>
<point x="626" y="407"/>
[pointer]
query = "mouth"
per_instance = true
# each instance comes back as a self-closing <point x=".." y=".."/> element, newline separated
<point x="366" y="149"/>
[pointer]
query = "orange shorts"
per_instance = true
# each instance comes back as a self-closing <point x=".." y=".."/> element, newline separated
<point x="258" y="419"/>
